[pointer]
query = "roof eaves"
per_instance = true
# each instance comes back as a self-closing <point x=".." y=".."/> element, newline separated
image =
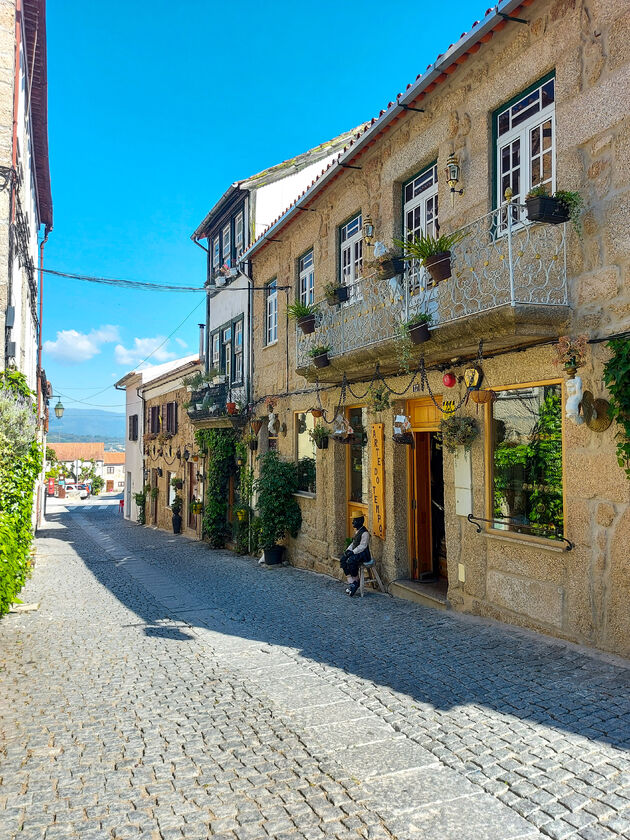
<point x="201" y="231"/>
<point x="493" y="19"/>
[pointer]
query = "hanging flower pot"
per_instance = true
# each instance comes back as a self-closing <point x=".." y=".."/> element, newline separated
<point x="405" y="438"/>
<point x="256" y="426"/>
<point x="322" y="443"/>
<point x="419" y="333"/>
<point x="316" y="412"/>
<point x="439" y="266"/>
<point x="230" y="407"/>
<point x="197" y="507"/>
<point x="307" y="324"/>
<point x="482" y="397"/>
<point x="319" y="355"/>
<point x="253" y="445"/>
<point x="321" y="361"/>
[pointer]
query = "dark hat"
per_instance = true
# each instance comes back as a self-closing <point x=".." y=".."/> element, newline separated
<point x="358" y="521"/>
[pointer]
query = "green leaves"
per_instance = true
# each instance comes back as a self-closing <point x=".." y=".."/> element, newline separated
<point x="220" y="444"/>
<point x="617" y="379"/>
<point x="423" y="246"/>
<point x="278" y="509"/>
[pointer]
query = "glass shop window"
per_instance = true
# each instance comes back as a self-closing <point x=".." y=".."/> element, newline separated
<point x="358" y="455"/>
<point x="305" y="452"/>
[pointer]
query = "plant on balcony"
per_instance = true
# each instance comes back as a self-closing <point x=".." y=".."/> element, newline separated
<point x="387" y="265"/>
<point x="197" y="380"/>
<point x="417" y="327"/>
<point x="335" y="293"/>
<point x="177" y="483"/>
<point x="319" y="355"/>
<point x="617" y="379"/>
<point x="571" y="353"/>
<point x="230" y="407"/>
<point x="176" y="510"/>
<point x="378" y="398"/>
<point x="562" y="206"/>
<point x="251" y="440"/>
<point x="458" y="431"/>
<point x="278" y="509"/>
<point x="433" y="252"/>
<point x="304" y="314"/>
<point x="319" y="434"/>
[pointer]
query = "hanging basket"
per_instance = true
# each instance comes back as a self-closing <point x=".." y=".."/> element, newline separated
<point x="419" y="333"/>
<point x="316" y="412"/>
<point x="322" y="443"/>
<point x="483" y="397"/>
<point x="439" y="266"/>
<point x="253" y="445"/>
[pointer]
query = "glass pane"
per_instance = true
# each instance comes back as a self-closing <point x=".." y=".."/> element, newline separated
<point x="527" y="461"/>
<point x="358" y="456"/>
<point x="524" y="109"/>
<point x="535" y="179"/>
<point x="535" y="140"/>
<point x="548" y="93"/>
<point x="409" y="192"/>
<point x="504" y="122"/>
<point x="505" y="159"/>
<point x="547" y="134"/>
<point x="547" y="166"/>
<point x="516" y="182"/>
<point x="516" y="153"/>
<point x="306" y="457"/>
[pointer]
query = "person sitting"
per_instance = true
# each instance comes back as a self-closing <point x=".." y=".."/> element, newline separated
<point x="358" y="552"/>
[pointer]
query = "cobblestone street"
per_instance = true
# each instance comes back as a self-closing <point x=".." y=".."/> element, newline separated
<point x="164" y="690"/>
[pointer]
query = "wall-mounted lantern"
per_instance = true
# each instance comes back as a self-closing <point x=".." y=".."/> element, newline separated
<point x="368" y="231"/>
<point x="59" y="409"/>
<point x="453" y="172"/>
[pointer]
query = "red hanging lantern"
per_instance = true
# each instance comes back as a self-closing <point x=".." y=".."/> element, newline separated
<point x="449" y="380"/>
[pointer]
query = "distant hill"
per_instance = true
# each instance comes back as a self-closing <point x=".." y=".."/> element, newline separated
<point x="87" y="425"/>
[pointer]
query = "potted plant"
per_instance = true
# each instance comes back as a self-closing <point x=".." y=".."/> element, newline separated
<point x="562" y="206"/>
<point x="230" y="407"/>
<point x="335" y="293"/>
<point x="319" y="434"/>
<point x="177" y="483"/>
<point x="176" y="510"/>
<point x="316" y="412"/>
<point x="304" y="314"/>
<point x="433" y="252"/>
<point x="278" y="509"/>
<point x="319" y="355"/>
<point x="390" y="264"/>
<point x="417" y="327"/>
<point x="252" y="441"/>
<point x="378" y="398"/>
<point x="571" y="353"/>
<point x="458" y="431"/>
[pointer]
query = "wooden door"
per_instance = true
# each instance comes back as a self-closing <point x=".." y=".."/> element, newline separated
<point x="421" y="537"/>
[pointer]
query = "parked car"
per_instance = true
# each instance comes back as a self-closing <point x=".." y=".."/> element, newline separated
<point x="84" y="491"/>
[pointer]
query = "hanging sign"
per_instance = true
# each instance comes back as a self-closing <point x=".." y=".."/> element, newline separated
<point x="377" y="484"/>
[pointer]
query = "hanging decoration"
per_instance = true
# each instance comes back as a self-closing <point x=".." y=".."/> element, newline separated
<point x="449" y="380"/>
<point x="402" y="430"/>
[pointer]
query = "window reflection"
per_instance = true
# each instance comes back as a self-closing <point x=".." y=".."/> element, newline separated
<point x="306" y="458"/>
<point x="357" y="418"/>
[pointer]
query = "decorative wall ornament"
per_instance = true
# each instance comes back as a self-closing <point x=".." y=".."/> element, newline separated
<point x="596" y="412"/>
<point x="574" y="399"/>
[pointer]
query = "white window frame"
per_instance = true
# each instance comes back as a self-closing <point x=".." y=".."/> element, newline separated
<point x="422" y="205"/>
<point x="351" y="256"/>
<point x="216" y="253"/>
<point x="306" y="277"/>
<point x="238" y="234"/>
<point x="238" y="351"/>
<point x="522" y="134"/>
<point x="226" y="346"/>
<point x="271" y="313"/>
<point x="216" y="355"/>
<point x="226" y="244"/>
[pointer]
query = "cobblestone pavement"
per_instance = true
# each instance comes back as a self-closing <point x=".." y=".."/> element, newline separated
<point x="164" y="690"/>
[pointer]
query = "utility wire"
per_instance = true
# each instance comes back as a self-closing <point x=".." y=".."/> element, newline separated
<point x="140" y="285"/>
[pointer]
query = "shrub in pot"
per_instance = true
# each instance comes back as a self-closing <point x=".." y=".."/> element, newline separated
<point x="176" y="510"/>
<point x="278" y="509"/>
<point x="304" y="314"/>
<point x="417" y="328"/>
<point x="319" y="355"/>
<point x="335" y="293"/>
<point x="319" y="434"/>
<point x="433" y="252"/>
<point x="562" y="206"/>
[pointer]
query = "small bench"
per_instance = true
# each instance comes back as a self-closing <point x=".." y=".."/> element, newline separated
<point x="372" y="578"/>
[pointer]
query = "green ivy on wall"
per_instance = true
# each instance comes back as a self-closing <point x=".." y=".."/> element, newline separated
<point x="220" y="447"/>
<point x="20" y="464"/>
<point x="617" y="378"/>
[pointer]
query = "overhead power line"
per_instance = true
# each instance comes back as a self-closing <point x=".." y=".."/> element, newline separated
<point x="124" y="284"/>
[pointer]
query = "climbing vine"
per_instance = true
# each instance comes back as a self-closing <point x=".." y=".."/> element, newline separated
<point x="617" y="378"/>
<point x="20" y="464"/>
<point x="219" y="445"/>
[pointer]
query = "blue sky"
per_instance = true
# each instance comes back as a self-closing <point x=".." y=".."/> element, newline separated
<point x="154" y="109"/>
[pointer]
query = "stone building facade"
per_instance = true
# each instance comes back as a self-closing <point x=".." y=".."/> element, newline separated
<point x="170" y="452"/>
<point x="516" y="104"/>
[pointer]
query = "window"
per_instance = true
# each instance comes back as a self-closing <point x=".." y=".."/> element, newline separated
<point x="238" y="351"/>
<point x="171" y="491"/>
<point x="420" y="211"/>
<point x="526" y="440"/>
<point x="238" y="234"/>
<point x="133" y="427"/>
<point x="358" y="479"/>
<point x="171" y="418"/>
<point x="216" y="359"/>
<point x="226" y="352"/>
<point x="154" y="419"/>
<point x="110" y="470"/>
<point x="525" y="153"/>
<point x="305" y="454"/>
<point x="306" y="275"/>
<point x="216" y="254"/>
<point x="226" y="244"/>
<point x="351" y="254"/>
<point x="271" y="312"/>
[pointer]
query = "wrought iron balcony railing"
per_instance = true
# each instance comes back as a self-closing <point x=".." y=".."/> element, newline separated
<point x="210" y="402"/>
<point x="500" y="262"/>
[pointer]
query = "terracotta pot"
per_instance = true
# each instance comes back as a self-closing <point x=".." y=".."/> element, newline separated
<point x="307" y="324"/>
<point x="545" y="208"/>
<point x="321" y="361"/>
<point x="419" y="333"/>
<point x="316" y="412"/>
<point x="256" y="426"/>
<point x="439" y="266"/>
<point x="482" y="397"/>
<point x="231" y="407"/>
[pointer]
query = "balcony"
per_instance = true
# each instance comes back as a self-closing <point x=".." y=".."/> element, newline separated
<point x="208" y="405"/>
<point x="508" y="287"/>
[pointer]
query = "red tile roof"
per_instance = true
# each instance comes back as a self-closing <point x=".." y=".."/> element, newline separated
<point x="78" y="451"/>
<point x="112" y="458"/>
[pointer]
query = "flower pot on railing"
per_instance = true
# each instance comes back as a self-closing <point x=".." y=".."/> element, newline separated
<point x="307" y="324"/>
<point x="321" y="361"/>
<point x="336" y="294"/>
<point x="439" y="266"/>
<point x="547" y="209"/>
<point x="419" y="333"/>
<point x="230" y="407"/>
<point x="392" y="268"/>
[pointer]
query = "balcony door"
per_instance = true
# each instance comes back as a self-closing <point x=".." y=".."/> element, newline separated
<point x="420" y="197"/>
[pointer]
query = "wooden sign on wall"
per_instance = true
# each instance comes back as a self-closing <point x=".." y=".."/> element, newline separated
<point x="377" y="484"/>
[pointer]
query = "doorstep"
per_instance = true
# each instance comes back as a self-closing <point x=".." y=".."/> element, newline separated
<point x="431" y="594"/>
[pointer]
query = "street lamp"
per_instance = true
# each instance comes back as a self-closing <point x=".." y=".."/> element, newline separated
<point x="59" y="409"/>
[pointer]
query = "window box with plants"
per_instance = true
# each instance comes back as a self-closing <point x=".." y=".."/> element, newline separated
<point x="433" y="252"/>
<point x="335" y="293"/>
<point x="562" y="206"/>
<point x="304" y="314"/>
<point x="319" y="355"/>
<point x="278" y="510"/>
<point x="319" y="434"/>
<point x="388" y="264"/>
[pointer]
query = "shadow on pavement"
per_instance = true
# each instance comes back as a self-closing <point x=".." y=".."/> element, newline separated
<point x="438" y="659"/>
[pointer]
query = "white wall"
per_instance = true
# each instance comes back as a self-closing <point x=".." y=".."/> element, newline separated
<point x="133" y="448"/>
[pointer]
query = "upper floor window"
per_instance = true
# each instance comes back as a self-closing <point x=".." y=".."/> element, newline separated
<point x="226" y="244"/>
<point x="216" y="253"/>
<point x="271" y="312"/>
<point x="420" y="211"/>
<point x="238" y="234"/>
<point x="525" y="153"/>
<point x="306" y="273"/>
<point x="227" y="351"/>
<point x="351" y="251"/>
<point x="110" y="470"/>
<point x="133" y="427"/>
<point x="238" y="351"/>
<point x="171" y="418"/>
<point x="154" y="419"/>
<point x="216" y="357"/>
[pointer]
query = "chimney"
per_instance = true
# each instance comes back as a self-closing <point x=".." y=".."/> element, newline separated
<point x="201" y="341"/>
